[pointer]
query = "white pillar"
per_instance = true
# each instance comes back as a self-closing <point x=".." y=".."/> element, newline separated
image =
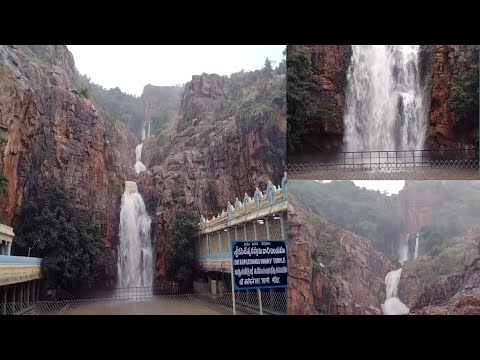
<point x="268" y="228"/>
<point x="27" y="285"/>
<point x="220" y="241"/>
<point x="5" y="301"/>
<point x="9" y="248"/>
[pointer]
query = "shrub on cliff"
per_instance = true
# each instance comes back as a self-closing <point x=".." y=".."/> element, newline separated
<point x="69" y="242"/>
<point x="84" y="90"/>
<point x="300" y="104"/>
<point x="463" y="92"/>
<point x="180" y="251"/>
<point x="3" y="184"/>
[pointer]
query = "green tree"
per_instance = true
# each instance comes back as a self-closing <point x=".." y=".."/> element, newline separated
<point x="267" y="68"/>
<point x="299" y="87"/>
<point x="3" y="178"/>
<point x="84" y="90"/>
<point x="180" y="252"/>
<point x="66" y="238"/>
<point x="463" y="92"/>
<point x="3" y="185"/>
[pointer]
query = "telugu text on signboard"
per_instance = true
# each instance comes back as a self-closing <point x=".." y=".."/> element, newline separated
<point x="259" y="264"/>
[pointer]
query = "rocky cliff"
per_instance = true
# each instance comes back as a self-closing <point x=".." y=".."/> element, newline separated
<point x="331" y="271"/>
<point x="439" y="202"/>
<point x="439" y="66"/>
<point x="457" y="294"/>
<point x="430" y="284"/>
<point x="441" y="63"/>
<point x="228" y="138"/>
<point x="160" y="105"/>
<point x="51" y="129"/>
<point x="330" y="65"/>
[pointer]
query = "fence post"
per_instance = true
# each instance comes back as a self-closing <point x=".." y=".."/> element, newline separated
<point x="268" y="228"/>
<point x="233" y="284"/>
<point x="260" y="301"/>
<point x="5" y="301"/>
<point x="281" y="225"/>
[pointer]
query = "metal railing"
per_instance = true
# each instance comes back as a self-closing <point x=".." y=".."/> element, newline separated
<point x="144" y="301"/>
<point x="401" y="164"/>
<point x="19" y="260"/>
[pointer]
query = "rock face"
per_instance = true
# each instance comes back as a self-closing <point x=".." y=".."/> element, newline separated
<point x="330" y="66"/>
<point x="442" y="62"/>
<point x="420" y="287"/>
<point x="454" y="295"/>
<point x="418" y="203"/>
<point x="160" y="101"/>
<point x="438" y="64"/>
<point x="53" y="131"/>
<point x="424" y="202"/>
<point x="213" y="158"/>
<point x="332" y="271"/>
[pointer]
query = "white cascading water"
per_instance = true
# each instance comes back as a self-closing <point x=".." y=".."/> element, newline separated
<point x="135" y="266"/>
<point x="139" y="166"/>
<point x="416" y="247"/>
<point x="393" y="305"/>
<point x="384" y="101"/>
<point x="403" y="250"/>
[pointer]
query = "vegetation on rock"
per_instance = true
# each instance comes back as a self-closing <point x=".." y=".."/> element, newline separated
<point x="254" y="97"/>
<point x="181" y="236"/>
<point x="65" y="237"/>
<point x="3" y="184"/>
<point x="368" y="213"/>
<point x="301" y="106"/>
<point x="463" y="91"/>
<point x="3" y="178"/>
<point x="125" y="107"/>
<point x="84" y="90"/>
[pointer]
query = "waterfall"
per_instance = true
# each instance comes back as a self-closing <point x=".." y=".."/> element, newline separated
<point x="416" y="247"/>
<point x="403" y="250"/>
<point x="139" y="166"/>
<point x="148" y="130"/>
<point x="393" y="305"/>
<point x="135" y="265"/>
<point x="383" y="99"/>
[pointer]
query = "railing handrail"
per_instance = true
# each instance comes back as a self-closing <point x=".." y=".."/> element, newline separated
<point x="416" y="150"/>
<point x="20" y="260"/>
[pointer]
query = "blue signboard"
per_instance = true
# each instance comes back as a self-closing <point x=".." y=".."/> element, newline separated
<point x="259" y="264"/>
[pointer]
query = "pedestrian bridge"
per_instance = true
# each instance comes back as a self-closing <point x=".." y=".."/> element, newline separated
<point x="18" y="269"/>
<point x="19" y="275"/>
<point x="263" y="217"/>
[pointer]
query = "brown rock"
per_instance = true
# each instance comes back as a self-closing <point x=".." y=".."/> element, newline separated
<point x="442" y="134"/>
<point x="458" y="294"/>
<point x="52" y="131"/>
<point x="212" y="164"/>
<point x="330" y="64"/>
<point x="352" y="283"/>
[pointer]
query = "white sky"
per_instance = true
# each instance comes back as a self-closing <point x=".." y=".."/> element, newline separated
<point x="392" y="186"/>
<point x="131" y="67"/>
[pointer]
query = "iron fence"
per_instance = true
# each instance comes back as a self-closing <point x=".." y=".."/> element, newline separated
<point x="144" y="301"/>
<point x="390" y="165"/>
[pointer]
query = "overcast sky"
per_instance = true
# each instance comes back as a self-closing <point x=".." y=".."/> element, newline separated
<point x="392" y="186"/>
<point x="131" y="67"/>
